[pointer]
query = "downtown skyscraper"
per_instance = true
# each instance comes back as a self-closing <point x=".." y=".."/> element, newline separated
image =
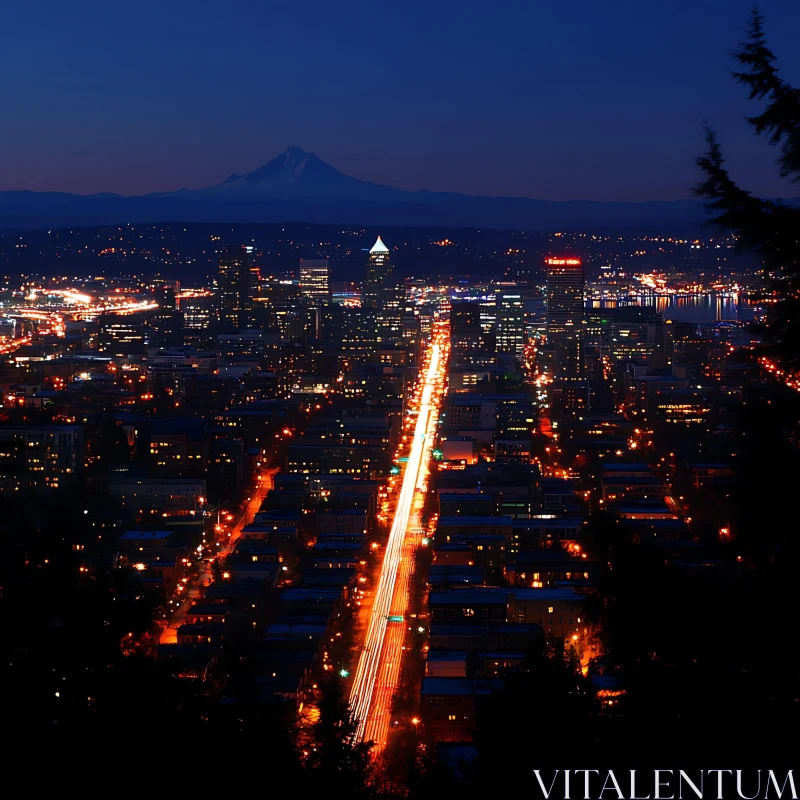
<point x="565" y="334"/>
<point x="315" y="279"/>
<point x="383" y="294"/>
<point x="565" y="294"/>
<point x="237" y="286"/>
<point x="510" y="323"/>
<point x="465" y="328"/>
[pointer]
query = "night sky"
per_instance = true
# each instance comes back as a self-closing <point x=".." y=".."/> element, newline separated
<point x="555" y="99"/>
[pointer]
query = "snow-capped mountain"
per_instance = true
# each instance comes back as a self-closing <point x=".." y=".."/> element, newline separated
<point x="299" y="175"/>
<point x="299" y="186"/>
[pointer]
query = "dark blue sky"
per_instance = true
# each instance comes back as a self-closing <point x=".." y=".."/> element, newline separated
<point x="556" y="99"/>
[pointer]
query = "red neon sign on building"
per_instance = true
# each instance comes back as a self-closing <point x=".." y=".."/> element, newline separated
<point x="562" y="262"/>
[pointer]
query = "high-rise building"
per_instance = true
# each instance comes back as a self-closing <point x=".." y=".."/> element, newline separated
<point x="123" y="334"/>
<point x="197" y="308"/>
<point x="565" y="316"/>
<point x="565" y="294"/>
<point x="488" y="303"/>
<point x="466" y="333"/>
<point x="237" y="286"/>
<point x="510" y="323"/>
<point x="566" y="330"/>
<point x="314" y="279"/>
<point x="284" y="309"/>
<point x="383" y="294"/>
<point x="40" y="456"/>
<point x="165" y="325"/>
<point x="349" y="331"/>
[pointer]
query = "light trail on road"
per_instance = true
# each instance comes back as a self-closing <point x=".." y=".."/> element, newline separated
<point x="386" y="684"/>
<point x="379" y="661"/>
<point x="196" y="587"/>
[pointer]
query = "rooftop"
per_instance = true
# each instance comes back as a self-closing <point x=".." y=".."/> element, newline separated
<point x="379" y="247"/>
<point x="460" y="686"/>
<point x="548" y="594"/>
<point x="621" y="466"/>
<point x="138" y="536"/>
<point x="462" y="520"/>
<point x="490" y="594"/>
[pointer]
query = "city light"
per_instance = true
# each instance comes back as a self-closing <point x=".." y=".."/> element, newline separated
<point x="372" y="656"/>
<point x="562" y="262"/>
<point x="550" y="412"/>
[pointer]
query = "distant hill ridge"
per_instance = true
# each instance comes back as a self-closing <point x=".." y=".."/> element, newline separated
<point x="299" y="186"/>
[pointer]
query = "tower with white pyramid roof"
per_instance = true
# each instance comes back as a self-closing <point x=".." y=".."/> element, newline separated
<point x="379" y="247"/>
<point x="382" y="294"/>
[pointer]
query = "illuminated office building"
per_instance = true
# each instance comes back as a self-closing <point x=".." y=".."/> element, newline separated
<point x="565" y="315"/>
<point x="237" y="285"/>
<point x="40" y="456"/>
<point x="488" y="313"/>
<point x="510" y="330"/>
<point x="282" y="308"/>
<point x="315" y="279"/>
<point x="565" y="294"/>
<point x="466" y="333"/>
<point x="165" y="324"/>
<point x="383" y="294"/>
<point x="198" y="317"/>
<point x="348" y="330"/>
<point x="123" y="334"/>
<point x="571" y="394"/>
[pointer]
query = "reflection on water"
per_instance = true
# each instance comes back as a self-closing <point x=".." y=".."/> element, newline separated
<point x="711" y="307"/>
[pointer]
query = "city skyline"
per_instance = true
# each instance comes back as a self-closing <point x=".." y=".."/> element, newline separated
<point x="399" y="494"/>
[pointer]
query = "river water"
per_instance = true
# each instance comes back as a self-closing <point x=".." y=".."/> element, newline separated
<point x="711" y="307"/>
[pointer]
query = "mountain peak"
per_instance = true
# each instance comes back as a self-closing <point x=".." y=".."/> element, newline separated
<point x="297" y="152"/>
<point x="295" y="155"/>
<point x="292" y="167"/>
<point x="294" y="173"/>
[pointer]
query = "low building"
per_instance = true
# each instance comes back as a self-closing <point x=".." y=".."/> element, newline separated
<point x="505" y="636"/>
<point x="207" y="612"/>
<point x="202" y="633"/>
<point x="160" y="495"/>
<point x="719" y="474"/>
<point x="450" y="706"/>
<point x="134" y="541"/>
<point x="645" y="487"/>
<point x="446" y="664"/>
<point x="454" y="553"/>
<point x="470" y="606"/>
<point x="451" y="529"/>
<point x="471" y="504"/>
<point x="447" y="576"/>
<point x="544" y="568"/>
<point x="559" y="612"/>
<point x="342" y="520"/>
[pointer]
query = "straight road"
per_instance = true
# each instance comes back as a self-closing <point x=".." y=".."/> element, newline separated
<point x="379" y="663"/>
<point x="195" y="588"/>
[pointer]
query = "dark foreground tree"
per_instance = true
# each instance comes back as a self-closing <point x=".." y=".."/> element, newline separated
<point x="765" y="227"/>
<point x="338" y="765"/>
